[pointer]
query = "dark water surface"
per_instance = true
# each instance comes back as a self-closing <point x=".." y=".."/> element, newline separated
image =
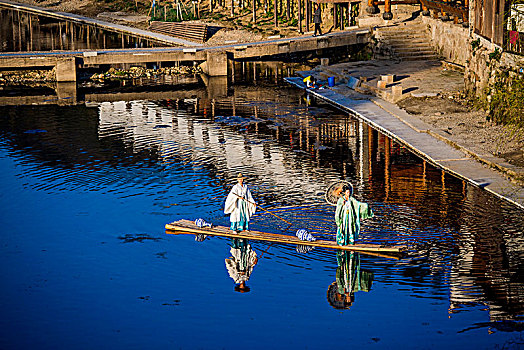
<point x="85" y="262"/>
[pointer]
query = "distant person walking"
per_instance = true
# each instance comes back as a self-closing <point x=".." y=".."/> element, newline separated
<point x="317" y="19"/>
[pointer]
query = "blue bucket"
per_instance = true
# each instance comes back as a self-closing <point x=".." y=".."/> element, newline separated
<point x="331" y="81"/>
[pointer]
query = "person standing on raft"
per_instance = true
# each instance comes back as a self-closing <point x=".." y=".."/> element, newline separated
<point x="348" y="215"/>
<point x="240" y="204"/>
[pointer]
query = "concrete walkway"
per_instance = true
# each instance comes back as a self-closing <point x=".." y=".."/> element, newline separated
<point x="415" y="134"/>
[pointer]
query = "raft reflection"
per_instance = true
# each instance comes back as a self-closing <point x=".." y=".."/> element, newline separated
<point x="464" y="239"/>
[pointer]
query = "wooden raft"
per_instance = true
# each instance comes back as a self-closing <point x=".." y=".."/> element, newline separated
<point x="189" y="227"/>
<point x="189" y="31"/>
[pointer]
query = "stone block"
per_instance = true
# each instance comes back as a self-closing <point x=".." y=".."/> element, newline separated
<point x="324" y="61"/>
<point x="396" y="91"/>
<point x="381" y="84"/>
<point x="388" y="78"/>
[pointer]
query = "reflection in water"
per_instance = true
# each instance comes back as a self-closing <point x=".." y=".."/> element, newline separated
<point x="466" y="244"/>
<point x="241" y="263"/>
<point x="22" y="31"/>
<point x="350" y="278"/>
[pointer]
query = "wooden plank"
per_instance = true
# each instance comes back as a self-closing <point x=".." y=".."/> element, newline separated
<point x="196" y="31"/>
<point x="188" y="227"/>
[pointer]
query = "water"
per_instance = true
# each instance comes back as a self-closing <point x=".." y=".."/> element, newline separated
<point x="86" y="191"/>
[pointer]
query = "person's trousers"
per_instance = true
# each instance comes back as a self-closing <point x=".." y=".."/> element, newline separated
<point x="317" y="28"/>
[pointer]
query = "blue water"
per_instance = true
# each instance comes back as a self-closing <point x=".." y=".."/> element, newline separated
<point x="86" y="263"/>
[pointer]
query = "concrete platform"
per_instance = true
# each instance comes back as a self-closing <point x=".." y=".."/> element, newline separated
<point x="415" y="134"/>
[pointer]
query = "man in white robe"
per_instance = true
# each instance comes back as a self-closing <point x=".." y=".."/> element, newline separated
<point x="240" y="204"/>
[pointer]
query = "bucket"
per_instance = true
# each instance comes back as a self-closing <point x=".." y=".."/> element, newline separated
<point x="331" y="81"/>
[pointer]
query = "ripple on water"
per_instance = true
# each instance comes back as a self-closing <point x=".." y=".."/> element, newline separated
<point x="460" y="238"/>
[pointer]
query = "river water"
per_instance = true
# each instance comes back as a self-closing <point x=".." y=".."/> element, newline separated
<point x="85" y="261"/>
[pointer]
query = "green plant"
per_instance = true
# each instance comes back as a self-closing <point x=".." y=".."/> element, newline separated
<point x="475" y="44"/>
<point x="495" y="55"/>
<point x="507" y="99"/>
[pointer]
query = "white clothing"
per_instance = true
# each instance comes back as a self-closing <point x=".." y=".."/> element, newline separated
<point x="237" y="195"/>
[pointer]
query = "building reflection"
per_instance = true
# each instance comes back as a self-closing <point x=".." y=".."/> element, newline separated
<point x="292" y="149"/>
<point x="241" y="263"/>
<point x="350" y="278"/>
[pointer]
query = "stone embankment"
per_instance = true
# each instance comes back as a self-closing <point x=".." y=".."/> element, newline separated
<point x="429" y="90"/>
<point x="49" y="76"/>
<point x="140" y="72"/>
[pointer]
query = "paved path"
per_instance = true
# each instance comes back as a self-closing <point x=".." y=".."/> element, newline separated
<point x="415" y="134"/>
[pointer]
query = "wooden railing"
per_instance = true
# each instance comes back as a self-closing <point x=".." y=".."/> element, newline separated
<point x="183" y="30"/>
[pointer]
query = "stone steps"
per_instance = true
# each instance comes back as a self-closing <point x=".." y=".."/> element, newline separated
<point x="410" y="51"/>
<point x="412" y="46"/>
<point x="405" y="41"/>
<point x="420" y="58"/>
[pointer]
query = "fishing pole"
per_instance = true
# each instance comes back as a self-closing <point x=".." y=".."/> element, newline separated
<point x="258" y="206"/>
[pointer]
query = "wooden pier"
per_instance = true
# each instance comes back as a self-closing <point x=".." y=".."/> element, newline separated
<point x="213" y="60"/>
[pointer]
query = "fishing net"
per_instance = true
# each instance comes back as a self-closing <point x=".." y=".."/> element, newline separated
<point x="334" y="191"/>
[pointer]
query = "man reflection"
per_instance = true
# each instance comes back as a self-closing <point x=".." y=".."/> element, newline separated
<point x="349" y="279"/>
<point x="241" y="263"/>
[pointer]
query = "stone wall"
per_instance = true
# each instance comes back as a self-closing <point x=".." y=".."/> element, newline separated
<point x="484" y="64"/>
<point x="451" y="41"/>
<point x="476" y="54"/>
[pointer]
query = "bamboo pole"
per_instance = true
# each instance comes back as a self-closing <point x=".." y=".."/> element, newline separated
<point x="259" y="207"/>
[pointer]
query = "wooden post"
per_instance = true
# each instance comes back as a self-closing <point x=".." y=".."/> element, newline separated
<point x="232" y="8"/>
<point x="387" y="15"/>
<point x="341" y="16"/>
<point x="72" y="36"/>
<point x="308" y="19"/>
<point x="335" y="16"/>
<point x="275" y="12"/>
<point x="300" y="16"/>
<point x="30" y="34"/>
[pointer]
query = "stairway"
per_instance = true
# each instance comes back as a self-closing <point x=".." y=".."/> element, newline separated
<point x="405" y="41"/>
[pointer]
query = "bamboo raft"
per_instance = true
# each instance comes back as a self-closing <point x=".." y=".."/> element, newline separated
<point x="189" y="227"/>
